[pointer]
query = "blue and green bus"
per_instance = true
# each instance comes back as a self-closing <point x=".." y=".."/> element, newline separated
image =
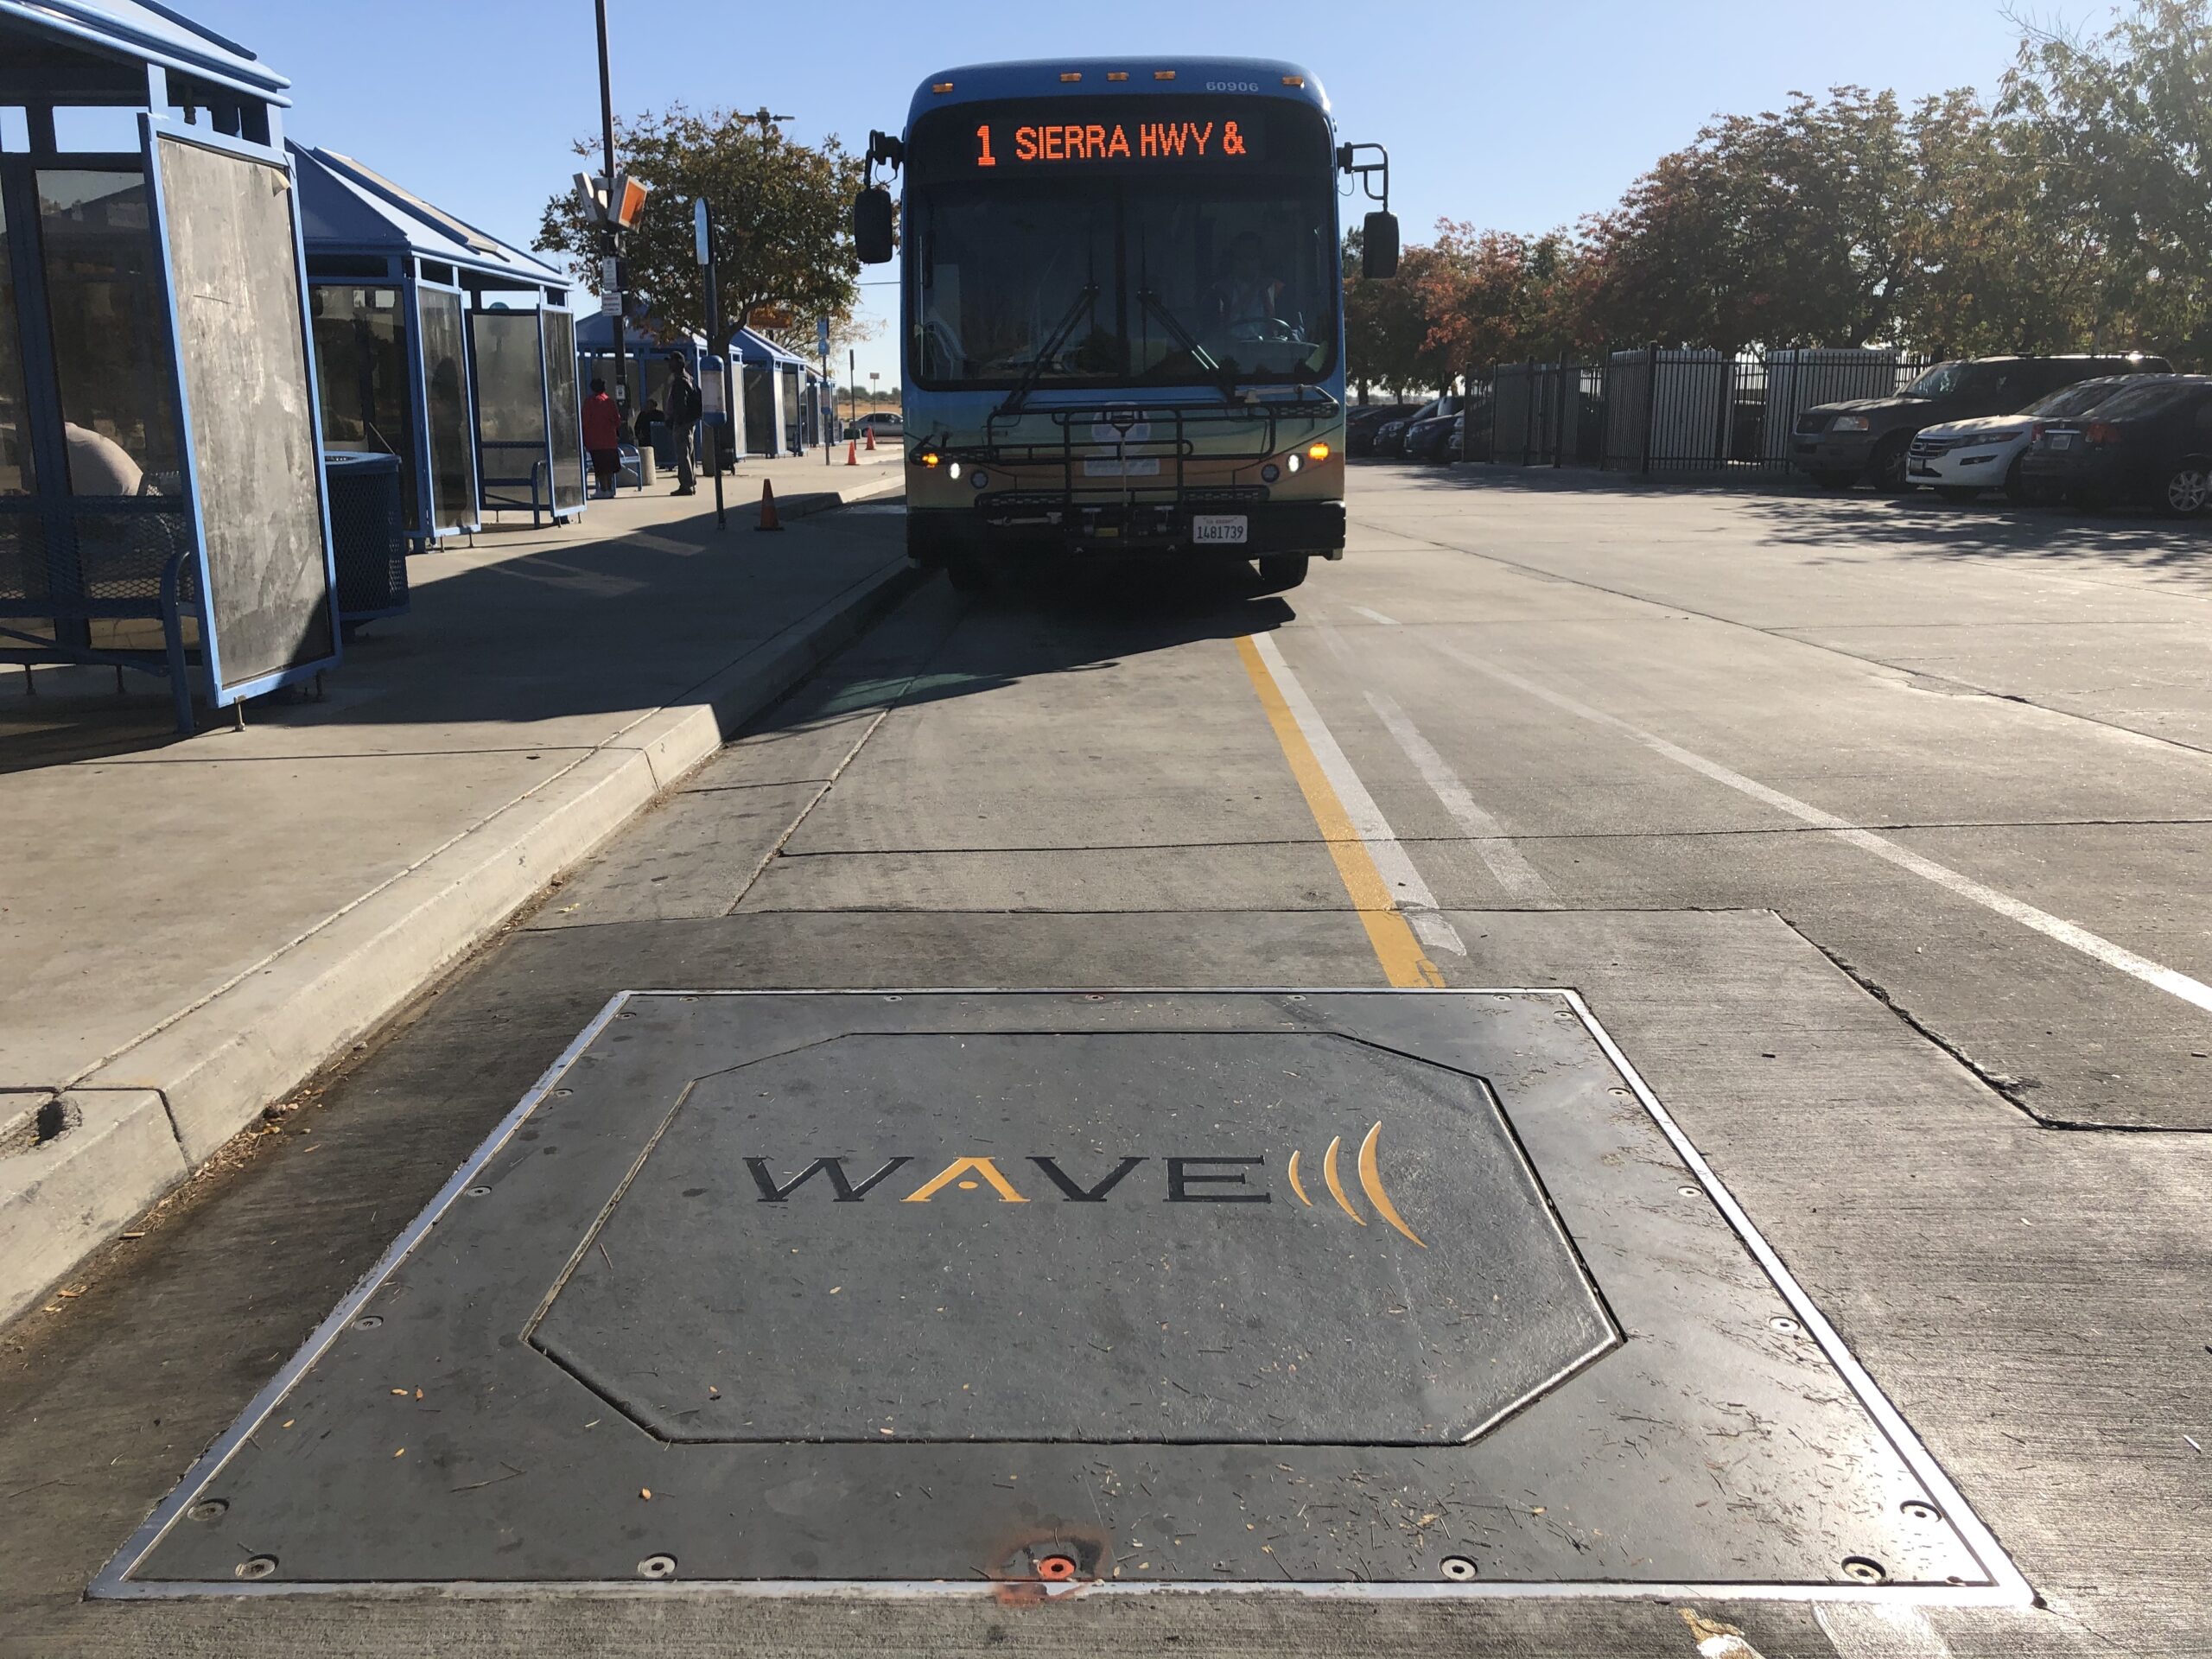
<point x="1121" y="311"/>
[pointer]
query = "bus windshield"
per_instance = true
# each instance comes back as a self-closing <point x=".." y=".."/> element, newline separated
<point x="1125" y="282"/>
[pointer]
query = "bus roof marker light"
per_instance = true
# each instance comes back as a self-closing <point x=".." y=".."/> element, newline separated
<point x="1117" y="74"/>
<point x="940" y="86"/>
<point x="1070" y="74"/>
<point x="1163" y="74"/>
<point x="1294" y="80"/>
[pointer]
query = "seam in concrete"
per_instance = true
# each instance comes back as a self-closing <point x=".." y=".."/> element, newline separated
<point x="2008" y="1090"/>
<point x="210" y="1068"/>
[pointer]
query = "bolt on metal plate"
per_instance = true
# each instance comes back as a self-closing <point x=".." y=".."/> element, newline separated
<point x="1390" y="1293"/>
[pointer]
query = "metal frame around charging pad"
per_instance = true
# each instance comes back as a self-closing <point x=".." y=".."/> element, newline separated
<point x="1671" y="1414"/>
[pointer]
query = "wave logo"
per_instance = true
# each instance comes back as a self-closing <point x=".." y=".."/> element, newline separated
<point x="1368" y="1164"/>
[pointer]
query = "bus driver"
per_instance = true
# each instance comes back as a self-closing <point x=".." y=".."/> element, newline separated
<point x="1247" y="302"/>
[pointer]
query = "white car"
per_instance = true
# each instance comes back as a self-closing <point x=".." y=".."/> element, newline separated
<point x="1961" y="459"/>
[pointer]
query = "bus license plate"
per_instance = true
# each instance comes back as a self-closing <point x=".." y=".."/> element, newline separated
<point x="1220" y="528"/>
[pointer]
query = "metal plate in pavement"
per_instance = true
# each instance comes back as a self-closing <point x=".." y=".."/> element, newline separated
<point x="1381" y="1292"/>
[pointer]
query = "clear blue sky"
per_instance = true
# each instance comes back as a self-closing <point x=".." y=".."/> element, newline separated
<point x="1521" y="116"/>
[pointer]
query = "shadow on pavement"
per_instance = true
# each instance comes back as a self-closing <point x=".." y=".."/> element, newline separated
<point x="1794" y="512"/>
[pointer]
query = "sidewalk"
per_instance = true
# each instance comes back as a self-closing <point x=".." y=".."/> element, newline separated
<point x="191" y="926"/>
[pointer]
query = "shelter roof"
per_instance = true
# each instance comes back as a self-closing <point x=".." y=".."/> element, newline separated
<point x="152" y="34"/>
<point x="343" y="204"/>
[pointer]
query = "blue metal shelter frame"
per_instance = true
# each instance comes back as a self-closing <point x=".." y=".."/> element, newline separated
<point x="119" y="55"/>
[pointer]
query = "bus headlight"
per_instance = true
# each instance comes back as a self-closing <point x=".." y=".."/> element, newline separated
<point x="1293" y="461"/>
<point x="953" y="471"/>
<point x="1269" y="473"/>
<point x="979" y="478"/>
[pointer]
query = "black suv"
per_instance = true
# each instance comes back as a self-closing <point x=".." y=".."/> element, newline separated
<point x="1363" y="420"/>
<point x="2149" y="442"/>
<point x="1840" y="444"/>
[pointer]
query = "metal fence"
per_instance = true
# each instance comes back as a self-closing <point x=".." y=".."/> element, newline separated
<point x="1660" y="409"/>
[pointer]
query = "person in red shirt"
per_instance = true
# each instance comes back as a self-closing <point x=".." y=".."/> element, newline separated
<point x="603" y="438"/>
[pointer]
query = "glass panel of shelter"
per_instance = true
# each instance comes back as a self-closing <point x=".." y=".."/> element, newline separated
<point x="454" y="504"/>
<point x="92" y="504"/>
<point x="361" y="360"/>
<point x="511" y="416"/>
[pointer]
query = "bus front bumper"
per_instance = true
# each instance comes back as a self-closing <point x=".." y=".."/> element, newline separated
<point x="1046" y="524"/>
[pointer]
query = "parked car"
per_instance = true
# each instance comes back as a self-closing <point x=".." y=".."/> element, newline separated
<point x="1426" y="437"/>
<point x="2150" y="441"/>
<point x="1961" y="459"/>
<point x="1391" y="436"/>
<point x="883" y="424"/>
<point x="1362" y="422"/>
<point x="1840" y="444"/>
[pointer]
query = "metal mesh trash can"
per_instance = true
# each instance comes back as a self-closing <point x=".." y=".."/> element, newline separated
<point x="368" y="538"/>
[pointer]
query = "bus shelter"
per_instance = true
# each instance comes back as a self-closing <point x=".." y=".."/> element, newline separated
<point x="161" y="504"/>
<point x="647" y="348"/>
<point x="776" y="394"/>
<point x="484" y="414"/>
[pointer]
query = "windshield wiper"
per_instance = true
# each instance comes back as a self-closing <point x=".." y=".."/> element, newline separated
<point x="1086" y="297"/>
<point x="1208" y="364"/>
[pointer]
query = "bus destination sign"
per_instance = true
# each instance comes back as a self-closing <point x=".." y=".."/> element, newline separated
<point x="1169" y="144"/>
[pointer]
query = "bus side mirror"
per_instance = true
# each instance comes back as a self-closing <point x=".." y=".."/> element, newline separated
<point x="872" y="218"/>
<point x="1378" y="245"/>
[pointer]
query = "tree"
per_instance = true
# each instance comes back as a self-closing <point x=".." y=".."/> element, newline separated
<point x="780" y="208"/>
<point x="1386" y="328"/>
<point x="2122" y="126"/>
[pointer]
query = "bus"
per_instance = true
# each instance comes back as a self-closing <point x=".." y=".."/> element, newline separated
<point x="1121" y="319"/>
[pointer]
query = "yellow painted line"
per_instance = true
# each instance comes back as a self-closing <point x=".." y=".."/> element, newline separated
<point x="1404" y="962"/>
<point x="1371" y="1178"/>
<point x="1297" y="1186"/>
<point x="1336" y="1186"/>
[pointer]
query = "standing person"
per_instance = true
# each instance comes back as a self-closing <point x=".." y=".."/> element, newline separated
<point x="684" y="410"/>
<point x="603" y="438"/>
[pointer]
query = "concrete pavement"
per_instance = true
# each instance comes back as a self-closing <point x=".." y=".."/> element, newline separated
<point x="194" y="925"/>
<point x="1582" y="723"/>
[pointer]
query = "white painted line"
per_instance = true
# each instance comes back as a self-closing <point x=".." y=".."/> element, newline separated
<point x="1377" y="616"/>
<point x="2093" y="945"/>
<point x="1507" y="867"/>
<point x="1406" y="887"/>
<point x="1879" y="1630"/>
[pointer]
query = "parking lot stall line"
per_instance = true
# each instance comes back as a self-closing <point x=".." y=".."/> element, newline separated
<point x="1393" y="903"/>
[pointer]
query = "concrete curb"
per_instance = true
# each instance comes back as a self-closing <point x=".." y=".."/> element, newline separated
<point x="61" y="1200"/>
<point x="154" y="1113"/>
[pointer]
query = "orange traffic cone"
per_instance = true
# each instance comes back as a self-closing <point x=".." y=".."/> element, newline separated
<point x="852" y="452"/>
<point x="871" y="440"/>
<point x="768" y="518"/>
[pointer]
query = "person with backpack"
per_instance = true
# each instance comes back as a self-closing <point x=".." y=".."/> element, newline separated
<point x="684" y="410"/>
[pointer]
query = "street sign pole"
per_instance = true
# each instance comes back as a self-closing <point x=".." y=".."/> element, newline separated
<point x="613" y="229"/>
<point x="823" y="416"/>
<point x="703" y="233"/>
<point x="852" y="382"/>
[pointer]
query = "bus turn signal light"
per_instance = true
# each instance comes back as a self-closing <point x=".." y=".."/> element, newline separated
<point x="1316" y="452"/>
<point x="929" y="457"/>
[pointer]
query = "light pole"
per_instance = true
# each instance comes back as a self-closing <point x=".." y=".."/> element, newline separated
<point x="613" y="230"/>
<point x="874" y="401"/>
